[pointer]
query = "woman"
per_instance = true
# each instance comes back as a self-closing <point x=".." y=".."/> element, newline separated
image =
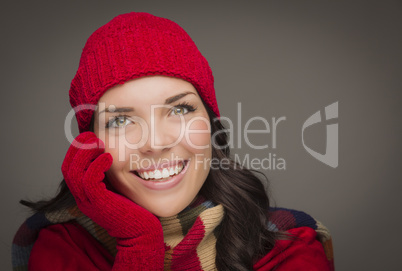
<point x="148" y="183"/>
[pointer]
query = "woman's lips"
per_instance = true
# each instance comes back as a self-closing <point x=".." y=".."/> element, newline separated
<point x="161" y="172"/>
<point x="161" y="166"/>
<point x="165" y="183"/>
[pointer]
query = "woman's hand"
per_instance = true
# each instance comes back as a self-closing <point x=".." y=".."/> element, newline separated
<point x="138" y="233"/>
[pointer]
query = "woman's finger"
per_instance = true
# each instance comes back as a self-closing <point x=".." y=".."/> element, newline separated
<point x="76" y="145"/>
<point x="79" y="165"/>
<point x="93" y="184"/>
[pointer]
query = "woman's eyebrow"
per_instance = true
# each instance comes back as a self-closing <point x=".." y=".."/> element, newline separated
<point x="130" y="109"/>
<point x="177" y="97"/>
<point x="117" y="110"/>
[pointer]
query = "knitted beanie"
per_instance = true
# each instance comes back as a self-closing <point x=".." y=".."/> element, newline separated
<point x="133" y="45"/>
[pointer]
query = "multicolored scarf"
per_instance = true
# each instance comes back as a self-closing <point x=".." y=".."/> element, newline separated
<point x="195" y="248"/>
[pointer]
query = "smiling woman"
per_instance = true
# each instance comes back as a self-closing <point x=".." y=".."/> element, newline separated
<point x="159" y="186"/>
<point x="139" y="191"/>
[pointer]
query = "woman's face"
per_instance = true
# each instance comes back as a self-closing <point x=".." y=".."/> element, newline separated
<point x="158" y="132"/>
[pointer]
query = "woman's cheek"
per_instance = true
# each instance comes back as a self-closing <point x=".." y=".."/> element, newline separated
<point x="119" y="148"/>
<point x="198" y="135"/>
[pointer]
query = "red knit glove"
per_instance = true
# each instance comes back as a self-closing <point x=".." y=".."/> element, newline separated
<point x="138" y="233"/>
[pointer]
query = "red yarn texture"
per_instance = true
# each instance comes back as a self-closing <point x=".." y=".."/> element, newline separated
<point x="134" y="45"/>
<point x="138" y="233"/>
<point x="71" y="247"/>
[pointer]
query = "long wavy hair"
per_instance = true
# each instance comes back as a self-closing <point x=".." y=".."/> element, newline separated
<point x="243" y="237"/>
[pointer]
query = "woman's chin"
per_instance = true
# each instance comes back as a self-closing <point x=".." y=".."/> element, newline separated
<point x="166" y="208"/>
<point x="163" y="212"/>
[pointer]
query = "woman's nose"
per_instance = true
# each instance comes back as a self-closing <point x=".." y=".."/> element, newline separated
<point x="160" y="137"/>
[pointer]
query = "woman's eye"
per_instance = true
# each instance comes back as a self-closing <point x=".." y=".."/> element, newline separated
<point x="182" y="109"/>
<point x="118" y="122"/>
<point x="179" y="110"/>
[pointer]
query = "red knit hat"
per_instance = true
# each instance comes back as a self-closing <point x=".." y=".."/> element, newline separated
<point x="133" y="45"/>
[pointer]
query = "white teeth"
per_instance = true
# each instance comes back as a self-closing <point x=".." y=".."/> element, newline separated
<point x="165" y="173"/>
<point x="157" y="174"/>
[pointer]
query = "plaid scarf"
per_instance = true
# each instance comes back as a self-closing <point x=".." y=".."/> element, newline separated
<point x="189" y="236"/>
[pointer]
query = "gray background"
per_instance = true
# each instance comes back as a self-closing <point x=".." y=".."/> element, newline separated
<point x="278" y="58"/>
